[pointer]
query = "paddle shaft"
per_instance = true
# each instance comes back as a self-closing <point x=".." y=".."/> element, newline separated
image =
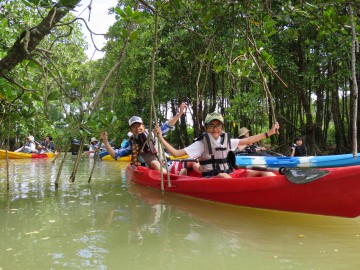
<point x="263" y="168"/>
<point x="47" y="149"/>
<point x="272" y="152"/>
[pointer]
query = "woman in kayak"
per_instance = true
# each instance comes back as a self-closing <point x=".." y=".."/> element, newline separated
<point x="142" y="150"/>
<point x="29" y="145"/>
<point x="212" y="148"/>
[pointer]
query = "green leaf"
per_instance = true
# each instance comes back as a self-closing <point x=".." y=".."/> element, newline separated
<point x="36" y="97"/>
<point x="113" y="120"/>
<point x="53" y="95"/>
<point x="23" y="112"/>
<point x="124" y="33"/>
<point x="134" y="35"/>
<point x="137" y="17"/>
<point x="128" y="11"/>
<point x="31" y="3"/>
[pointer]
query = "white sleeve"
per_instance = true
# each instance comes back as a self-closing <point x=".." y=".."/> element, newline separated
<point x="234" y="143"/>
<point x="195" y="150"/>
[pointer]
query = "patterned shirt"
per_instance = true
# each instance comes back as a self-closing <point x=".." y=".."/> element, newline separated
<point x="126" y="148"/>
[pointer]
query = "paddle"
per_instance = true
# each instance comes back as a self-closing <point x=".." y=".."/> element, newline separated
<point x="272" y="152"/>
<point x="39" y="144"/>
<point x="295" y="175"/>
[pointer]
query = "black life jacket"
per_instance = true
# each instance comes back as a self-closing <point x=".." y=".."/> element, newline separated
<point x="300" y="151"/>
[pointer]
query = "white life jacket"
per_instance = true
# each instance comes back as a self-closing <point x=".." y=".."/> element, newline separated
<point x="31" y="145"/>
<point x="214" y="158"/>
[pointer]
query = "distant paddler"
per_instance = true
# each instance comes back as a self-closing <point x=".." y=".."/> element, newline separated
<point x="46" y="146"/>
<point x="29" y="145"/>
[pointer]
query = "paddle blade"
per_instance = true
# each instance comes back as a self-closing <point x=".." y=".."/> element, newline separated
<point x="302" y="175"/>
<point x="231" y="159"/>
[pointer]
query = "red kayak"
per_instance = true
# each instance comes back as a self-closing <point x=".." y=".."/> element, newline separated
<point x="330" y="192"/>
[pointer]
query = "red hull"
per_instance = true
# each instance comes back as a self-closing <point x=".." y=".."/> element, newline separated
<point x="336" y="194"/>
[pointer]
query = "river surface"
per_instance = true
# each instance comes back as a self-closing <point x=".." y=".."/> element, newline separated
<point x="113" y="224"/>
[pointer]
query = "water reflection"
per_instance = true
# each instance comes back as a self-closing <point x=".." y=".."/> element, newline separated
<point x="112" y="222"/>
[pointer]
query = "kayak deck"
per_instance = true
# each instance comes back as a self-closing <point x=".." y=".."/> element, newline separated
<point x="291" y="162"/>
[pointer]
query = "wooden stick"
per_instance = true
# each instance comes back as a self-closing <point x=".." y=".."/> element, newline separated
<point x="96" y="158"/>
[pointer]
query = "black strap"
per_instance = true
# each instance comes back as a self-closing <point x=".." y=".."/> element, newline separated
<point x="210" y="161"/>
<point x="229" y="140"/>
<point x="206" y="135"/>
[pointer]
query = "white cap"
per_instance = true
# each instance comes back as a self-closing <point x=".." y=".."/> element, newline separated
<point x="135" y="119"/>
<point x="93" y="139"/>
<point x="31" y="138"/>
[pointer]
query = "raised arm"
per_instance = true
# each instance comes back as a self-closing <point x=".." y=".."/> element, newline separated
<point x="174" y="152"/>
<point x="104" y="138"/>
<point x="259" y="137"/>
<point x="174" y="119"/>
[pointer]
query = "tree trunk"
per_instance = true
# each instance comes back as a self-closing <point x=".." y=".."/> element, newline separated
<point x="30" y="39"/>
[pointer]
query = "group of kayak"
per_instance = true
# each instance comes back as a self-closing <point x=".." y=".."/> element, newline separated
<point x="323" y="185"/>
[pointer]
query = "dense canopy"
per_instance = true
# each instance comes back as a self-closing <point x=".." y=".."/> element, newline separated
<point x="256" y="62"/>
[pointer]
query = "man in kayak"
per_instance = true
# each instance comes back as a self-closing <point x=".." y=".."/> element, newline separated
<point x="29" y="145"/>
<point x="142" y="150"/>
<point x="47" y="145"/>
<point x="298" y="149"/>
<point x="212" y="148"/>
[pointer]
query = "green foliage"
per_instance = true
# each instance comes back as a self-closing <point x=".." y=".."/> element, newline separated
<point x="216" y="53"/>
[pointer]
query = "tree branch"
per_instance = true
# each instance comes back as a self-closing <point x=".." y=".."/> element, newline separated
<point x="30" y="39"/>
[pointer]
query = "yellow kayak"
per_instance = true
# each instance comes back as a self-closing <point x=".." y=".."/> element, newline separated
<point x="20" y="155"/>
<point x="124" y="159"/>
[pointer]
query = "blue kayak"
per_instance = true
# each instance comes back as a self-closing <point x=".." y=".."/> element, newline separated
<point x="311" y="161"/>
